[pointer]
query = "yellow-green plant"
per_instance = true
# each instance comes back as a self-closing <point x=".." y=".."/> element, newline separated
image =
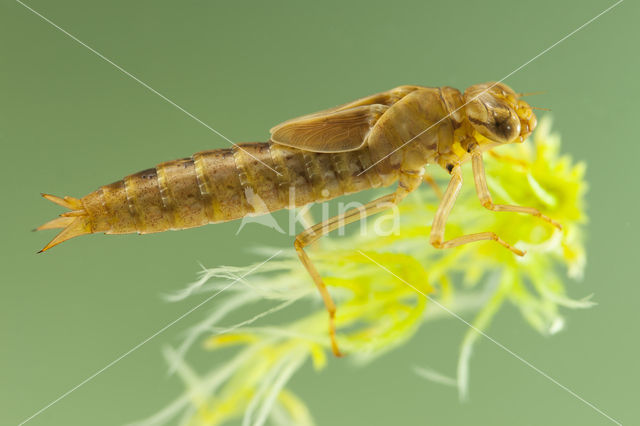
<point x="386" y="287"/>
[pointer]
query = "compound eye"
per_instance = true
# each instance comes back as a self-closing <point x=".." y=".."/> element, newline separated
<point x="493" y="118"/>
<point x="504" y="124"/>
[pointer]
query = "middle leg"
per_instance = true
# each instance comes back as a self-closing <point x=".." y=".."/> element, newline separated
<point x="440" y="220"/>
<point x="427" y="178"/>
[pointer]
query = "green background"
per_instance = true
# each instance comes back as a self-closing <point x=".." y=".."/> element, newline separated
<point x="69" y="122"/>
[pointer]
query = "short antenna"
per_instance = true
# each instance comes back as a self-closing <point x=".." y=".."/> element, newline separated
<point x="540" y="92"/>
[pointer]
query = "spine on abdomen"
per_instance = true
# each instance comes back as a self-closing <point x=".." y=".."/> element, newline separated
<point x="226" y="184"/>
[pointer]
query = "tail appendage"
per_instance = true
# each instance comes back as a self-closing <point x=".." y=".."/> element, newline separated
<point x="73" y="223"/>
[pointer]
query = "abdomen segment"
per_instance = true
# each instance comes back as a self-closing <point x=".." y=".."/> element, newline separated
<point x="217" y="186"/>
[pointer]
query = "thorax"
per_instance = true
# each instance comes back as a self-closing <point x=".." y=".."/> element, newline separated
<point x="420" y="128"/>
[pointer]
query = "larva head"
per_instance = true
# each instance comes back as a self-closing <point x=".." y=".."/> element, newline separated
<point x="496" y="113"/>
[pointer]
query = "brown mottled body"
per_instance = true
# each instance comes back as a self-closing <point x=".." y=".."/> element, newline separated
<point x="226" y="184"/>
<point x="369" y="143"/>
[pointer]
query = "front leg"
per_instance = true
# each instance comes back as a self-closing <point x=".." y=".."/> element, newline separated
<point x="485" y="197"/>
<point x="440" y="220"/>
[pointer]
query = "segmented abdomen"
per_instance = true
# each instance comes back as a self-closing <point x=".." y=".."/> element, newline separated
<point x="226" y="184"/>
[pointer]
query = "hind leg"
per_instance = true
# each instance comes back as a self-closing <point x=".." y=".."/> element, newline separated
<point x="408" y="183"/>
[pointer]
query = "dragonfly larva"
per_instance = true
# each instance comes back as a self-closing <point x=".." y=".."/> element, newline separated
<point x="372" y="142"/>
